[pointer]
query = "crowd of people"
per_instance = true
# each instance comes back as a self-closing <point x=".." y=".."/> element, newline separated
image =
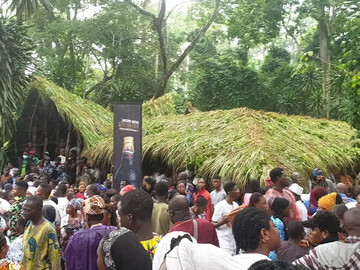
<point x="63" y="214"/>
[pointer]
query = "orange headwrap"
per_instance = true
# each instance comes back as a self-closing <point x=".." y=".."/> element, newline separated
<point x="327" y="202"/>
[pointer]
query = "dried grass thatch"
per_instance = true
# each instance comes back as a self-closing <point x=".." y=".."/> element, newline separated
<point x="240" y="144"/>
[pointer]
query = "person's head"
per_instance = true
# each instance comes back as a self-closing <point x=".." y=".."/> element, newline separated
<point x="339" y="210"/>
<point x="232" y="190"/>
<point x="295" y="230"/>
<point x="180" y="187"/>
<point x="43" y="191"/>
<point x="201" y="184"/>
<point x="161" y="190"/>
<point x="296" y="191"/>
<point x="148" y="184"/>
<point x="45" y="177"/>
<point x="200" y="205"/>
<point x="183" y="176"/>
<point x="135" y="209"/>
<point x="342" y="188"/>
<point x="109" y="215"/>
<point x="295" y="177"/>
<point x="4" y="248"/>
<point x="279" y="178"/>
<point x="28" y="178"/>
<point x="258" y="200"/>
<point x="275" y="265"/>
<point x="16" y="172"/>
<point x="25" y="155"/>
<point x="94" y="210"/>
<point x="254" y="186"/>
<point x="91" y="190"/>
<point x="8" y="187"/>
<point x="32" y="208"/>
<point x="351" y="221"/>
<point x="327" y="202"/>
<point x="74" y="205"/>
<point x="10" y="165"/>
<point x="53" y="183"/>
<point x="6" y="171"/>
<point x="57" y="161"/>
<point x="60" y="190"/>
<point x="178" y="208"/>
<point x="62" y="151"/>
<point x="107" y="184"/>
<point x="124" y="183"/>
<point x="49" y="212"/>
<point x="82" y="187"/>
<point x="216" y="182"/>
<point x="261" y="234"/>
<point x="280" y="208"/>
<point x="20" y="189"/>
<point x="21" y="224"/>
<point x="115" y="199"/>
<point x="324" y="226"/>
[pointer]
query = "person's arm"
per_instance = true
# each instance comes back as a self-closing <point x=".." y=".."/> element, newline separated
<point x="218" y="219"/>
<point x="310" y="261"/>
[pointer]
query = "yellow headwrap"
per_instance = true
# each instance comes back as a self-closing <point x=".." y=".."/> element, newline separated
<point x="328" y="202"/>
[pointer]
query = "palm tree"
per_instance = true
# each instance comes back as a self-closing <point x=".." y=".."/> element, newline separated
<point x="15" y="60"/>
<point x="27" y="8"/>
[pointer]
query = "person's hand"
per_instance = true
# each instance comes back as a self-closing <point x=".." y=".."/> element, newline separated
<point x="304" y="243"/>
<point x="225" y="220"/>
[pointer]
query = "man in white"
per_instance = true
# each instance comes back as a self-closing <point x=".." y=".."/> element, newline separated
<point x="297" y="191"/>
<point x="60" y="192"/>
<point x="220" y="217"/>
<point x="218" y="194"/>
<point x="43" y="191"/>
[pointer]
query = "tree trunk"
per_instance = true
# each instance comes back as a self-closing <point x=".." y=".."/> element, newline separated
<point x="325" y="61"/>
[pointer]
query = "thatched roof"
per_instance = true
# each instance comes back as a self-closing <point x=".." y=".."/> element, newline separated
<point x="240" y="144"/>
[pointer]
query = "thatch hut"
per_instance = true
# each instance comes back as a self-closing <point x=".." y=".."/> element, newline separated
<point x="240" y="144"/>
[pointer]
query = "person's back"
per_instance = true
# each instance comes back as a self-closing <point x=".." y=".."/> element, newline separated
<point x="82" y="248"/>
<point x="201" y="229"/>
<point x="291" y="250"/>
<point x="160" y="219"/>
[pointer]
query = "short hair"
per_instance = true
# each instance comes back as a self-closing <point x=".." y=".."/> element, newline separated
<point x="275" y="265"/>
<point x="217" y="177"/>
<point x="248" y="237"/>
<point x="36" y="201"/>
<point x="46" y="188"/>
<point x="49" y="213"/>
<point x="36" y="183"/>
<point x="275" y="173"/>
<point x="107" y="184"/>
<point x="22" y="184"/>
<point x="161" y="189"/>
<point x="93" y="188"/>
<point x="295" y="229"/>
<point x="62" y="188"/>
<point x="116" y="197"/>
<point x="21" y="222"/>
<point x="201" y="201"/>
<point x="229" y="186"/>
<point x="325" y="221"/>
<point x="253" y="186"/>
<point x="339" y="210"/>
<point x="138" y="203"/>
<point x="278" y="206"/>
<point x="255" y="198"/>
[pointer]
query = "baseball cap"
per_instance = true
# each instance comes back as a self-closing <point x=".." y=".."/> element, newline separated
<point x="317" y="172"/>
<point x="126" y="189"/>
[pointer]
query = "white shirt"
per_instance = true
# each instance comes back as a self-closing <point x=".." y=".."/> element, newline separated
<point x="224" y="233"/>
<point x="217" y="197"/>
<point x="245" y="260"/>
<point x="302" y="210"/>
<point x="62" y="204"/>
<point x="53" y="204"/>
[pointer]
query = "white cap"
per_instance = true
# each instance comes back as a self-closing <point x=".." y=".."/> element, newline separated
<point x="296" y="189"/>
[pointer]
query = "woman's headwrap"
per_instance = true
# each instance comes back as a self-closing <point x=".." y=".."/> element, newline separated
<point x="77" y="203"/>
<point x="315" y="195"/>
<point x="328" y="202"/>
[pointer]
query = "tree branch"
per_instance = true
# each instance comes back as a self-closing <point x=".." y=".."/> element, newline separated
<point x="198" y="36"/>
<point x="142" y="11"/>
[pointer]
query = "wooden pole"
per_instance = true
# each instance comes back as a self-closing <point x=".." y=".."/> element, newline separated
<point x="68" y="139"/>
<point x="33" y="115"/>
<point x="46" y="139"/>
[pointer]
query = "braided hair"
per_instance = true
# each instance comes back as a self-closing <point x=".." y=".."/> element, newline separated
<point x="247" y="227"/>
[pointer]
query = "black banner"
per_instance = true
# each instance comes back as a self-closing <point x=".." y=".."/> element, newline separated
<point x="128" y="144"/>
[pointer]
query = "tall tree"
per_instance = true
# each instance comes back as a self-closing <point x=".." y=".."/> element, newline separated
<point x="160" y="25"/>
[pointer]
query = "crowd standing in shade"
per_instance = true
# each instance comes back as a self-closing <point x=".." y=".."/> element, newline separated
<point x="63" y="213"/>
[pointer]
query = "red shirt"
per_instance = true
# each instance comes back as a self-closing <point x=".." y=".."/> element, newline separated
<point x="80" y="196"/>
<point x="206" y="195"/>
<point x="206" y="231"/>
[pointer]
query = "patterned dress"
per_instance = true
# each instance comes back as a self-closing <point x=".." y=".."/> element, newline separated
<point x="151" y="245"/>
<point x="15" y="213"/>
<point x="9" y="265"/>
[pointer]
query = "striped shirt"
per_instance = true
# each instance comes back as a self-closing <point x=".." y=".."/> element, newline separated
<point x="334" y="256"/>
